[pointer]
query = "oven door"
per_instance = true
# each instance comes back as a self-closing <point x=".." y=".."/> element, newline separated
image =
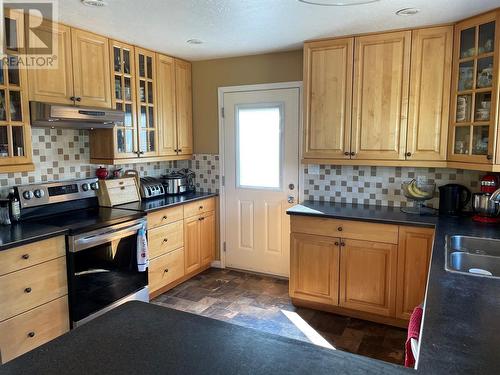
<point x="102" y="267"/>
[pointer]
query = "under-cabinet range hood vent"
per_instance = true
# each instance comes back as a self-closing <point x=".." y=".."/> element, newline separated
<point x="46" y="115"/>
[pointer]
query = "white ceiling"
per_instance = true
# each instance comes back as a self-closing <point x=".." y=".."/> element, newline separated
<point x="244" y="27"/>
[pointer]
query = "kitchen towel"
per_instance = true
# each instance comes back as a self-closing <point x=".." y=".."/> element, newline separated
<point x="413" y="333"/>
<point x="142" y="250"/>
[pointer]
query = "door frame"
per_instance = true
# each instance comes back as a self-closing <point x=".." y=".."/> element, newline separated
<point x="222" y="194"/>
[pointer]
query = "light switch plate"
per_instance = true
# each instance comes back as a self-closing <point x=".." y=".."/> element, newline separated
<point x="313" y="168"/>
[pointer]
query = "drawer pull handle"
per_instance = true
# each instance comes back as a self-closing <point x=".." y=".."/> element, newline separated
<point x="164" y="217"/>
<point x="166" y="270"/>
<point x="342" y="244"/>
<point x="122" y="187"/>
<point x="121" y="182"/>
<point x="27" y="290"/>
<point x="201" y="207"/>
<point x="31" y="334"/>
<point x="336" y="244"/>
<point x="339" y="229"/>
<point x="165" y="240"/>
<point x="26" y="256"/>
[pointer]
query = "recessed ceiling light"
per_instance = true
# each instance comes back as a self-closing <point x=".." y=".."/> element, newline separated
<point x="94" y="3"/>
<point x="407" y="11"/>
<point x="337" y="3"/>
<point x="194" y="41"/>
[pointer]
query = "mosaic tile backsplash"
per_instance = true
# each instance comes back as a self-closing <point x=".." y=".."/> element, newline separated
<point x="63" y="154"/>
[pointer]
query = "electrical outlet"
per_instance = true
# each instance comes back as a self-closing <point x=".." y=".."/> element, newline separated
<point x="313" y="168"/>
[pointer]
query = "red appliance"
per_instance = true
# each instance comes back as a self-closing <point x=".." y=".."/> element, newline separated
<point x="488" y="184"/>
<point x="101" y="173"/>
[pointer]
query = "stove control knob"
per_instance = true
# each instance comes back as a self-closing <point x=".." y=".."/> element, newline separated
<point x="94" y="186"/>
<point x="39" y="193"/>
<point x="85" y="187"/>
<point x="28" y="194"/>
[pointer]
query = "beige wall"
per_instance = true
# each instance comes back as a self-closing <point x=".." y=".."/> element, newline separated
<point x="209" y="75"/>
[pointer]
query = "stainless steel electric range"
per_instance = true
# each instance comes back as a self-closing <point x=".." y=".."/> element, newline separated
<point x="101" y="245"/>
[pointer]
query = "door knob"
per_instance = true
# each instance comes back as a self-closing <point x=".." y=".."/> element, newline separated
<point x="291" y="199"/>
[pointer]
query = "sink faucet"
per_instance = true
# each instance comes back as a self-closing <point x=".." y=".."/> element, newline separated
<point x="495" y="196"/>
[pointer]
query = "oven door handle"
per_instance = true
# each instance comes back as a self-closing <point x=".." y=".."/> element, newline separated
<point x="100" y="238"/>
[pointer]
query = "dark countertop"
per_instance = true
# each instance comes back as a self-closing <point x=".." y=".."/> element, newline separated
<point x="461" y="320"/>
<point x="18" y="234"/>
<point x="153" y="204"/>
<point x="141" y="338"/>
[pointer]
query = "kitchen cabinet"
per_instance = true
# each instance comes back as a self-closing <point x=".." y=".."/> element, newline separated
<point x="15" y="129"/>
<point x="362" y="269"/>
<point x="91" y="70"/>
<point x="207" y="236"/>
<point x="184" y="107"/>
<point x="33" y="296"/>
<point x="328" y="67"/>
<point x="380" y="96"/>
<point x="368" y="276"/>
<point x="314" y="268"/>
<point x="415" y="245"/>
<point x="167" y="117"/>
<point x="54" y="85"/>
<point x="474" y="108"/>
<point x="430" y="79"/>
<point x="193" y="243"/>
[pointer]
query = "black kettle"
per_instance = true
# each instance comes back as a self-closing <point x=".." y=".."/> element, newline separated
<point x="453" y="198"/>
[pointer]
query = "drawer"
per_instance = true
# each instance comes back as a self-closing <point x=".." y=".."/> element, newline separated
<point x="123" y="194"/>
<point x="356" y="230"/>
<point x="25" y="332"/>
<point x="31" y="254"/>
<point x="199" y="207"/>
<point x="31" y="287"/>
<point x="120" y="182"/>
<point x="165" y="269"/>
<point x="166" y="238"/>
<point x="166" y="216"/>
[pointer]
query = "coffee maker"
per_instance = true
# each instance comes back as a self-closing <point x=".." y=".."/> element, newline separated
<point x="485" y="210"/>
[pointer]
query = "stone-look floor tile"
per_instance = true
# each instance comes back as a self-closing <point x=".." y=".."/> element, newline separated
<point x="258" y="302"/>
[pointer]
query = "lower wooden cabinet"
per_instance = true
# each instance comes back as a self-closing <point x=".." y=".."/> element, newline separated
<point x="33" y="328"/>
<point x="415" y="245"/>
<point x="166" y="269"/>
<point x="368" y="276"/>
<point x="334" y="270"/>
<point x="192" y="242"/>
<point x="314" y="268"/>
<point x="207" y="238"/>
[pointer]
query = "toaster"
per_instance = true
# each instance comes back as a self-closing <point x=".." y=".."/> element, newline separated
<point x="151" y="187"/>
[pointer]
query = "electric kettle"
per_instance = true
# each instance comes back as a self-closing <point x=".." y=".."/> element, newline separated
<point x="453" y="198"/>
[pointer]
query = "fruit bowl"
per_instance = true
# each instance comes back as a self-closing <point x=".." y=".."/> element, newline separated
<point x="418" y="192"/>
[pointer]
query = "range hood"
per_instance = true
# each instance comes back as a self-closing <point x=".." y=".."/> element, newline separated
<point x="46" y="115"/>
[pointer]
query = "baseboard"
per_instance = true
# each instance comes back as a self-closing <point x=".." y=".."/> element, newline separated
<point x="216" y="264"/>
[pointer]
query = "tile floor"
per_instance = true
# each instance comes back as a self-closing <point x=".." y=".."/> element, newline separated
<point x="262" y="303"/>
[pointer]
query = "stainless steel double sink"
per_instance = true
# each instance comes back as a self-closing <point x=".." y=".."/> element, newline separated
<point x="473" y="256"/>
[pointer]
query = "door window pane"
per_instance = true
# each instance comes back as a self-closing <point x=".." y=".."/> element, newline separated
<point x="486" y="37"/>
<point x="4" y="143"/>
<point x="3" y="108"/>
<point x="13" y="71"/>
<point x="142" y="68"/>
<point x="117" y="59"/>
<point x="16" y="113"/>
<point x="150" y="66"/>
<point x="484" y="72"/>
<point x="142" y="91"/>
<point x="465" y="76"/>
<point x="467" y="43"/>
<point x="480" y="140"/>
<point x="118" y="87"/>
<point x="143" y="138"/>
<point x="126" y="61"/>
<point x="129" y="140"/>
<point x="128" y="89"/>
<point x="151" y="118"/>
<point x="464" y="105"/>
<point x="142" y="118"/>
<point x="462" y="137"/>
<point x="483" y="106"/>
<point x="259" y="147"/>
<point x="151" y="141"/>
<point x="128" y="115"/>
<point x="18" y="140"/>
<point x="150" y="93"/>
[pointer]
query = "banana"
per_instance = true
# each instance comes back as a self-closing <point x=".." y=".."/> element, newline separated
<point x="414" y="191"/>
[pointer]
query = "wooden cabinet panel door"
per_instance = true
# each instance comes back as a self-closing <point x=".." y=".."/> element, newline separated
<point x="380" y="95"/>
<point x="167" y="126"/>
<point x="53" y="85"/>
<point x="328" y="93"/>
<point x="91" y="71"/>
<point x="368" y="276"/>
<point x="430" y="78"/>
<point x="314" y="268"/>
<point x="184" y="104"/>
<point x="192" y="244"/>
<point x="415" y="247"/>
<point x="207" y="238"/>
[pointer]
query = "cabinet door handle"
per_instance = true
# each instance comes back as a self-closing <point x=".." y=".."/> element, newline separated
<point x="200" y="208"/>
<point x="31" y="334"/>
<point x="489" y="157"/>
<point x="25" y="256"/>
<point x="336" y="243"/>
<point x="78" y="99"/>
<point x="166" y="270"/>
<point x="165" y="217"/>
<point x="408" y="154"/>
<point x="72" y="98"/>
<point x="340" y="229"/>
<point x="352" y="153"/>
<point x="27" y="290"/>
<point x="179" y="150"/>
<point x="342" y="244"/>
<point x="165" y="240"/>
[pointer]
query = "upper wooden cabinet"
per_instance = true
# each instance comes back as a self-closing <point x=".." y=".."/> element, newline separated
<point x="473" y="135"/>
<point x="91" y="72"/>
<point x="167" y="132"/>
<point x="328" y="86"/>
<point x="54" y="85"/>
<point x="430" y="77"/>
<point x="184" y="106"/>
<point x="380" y="95"/>
<point x="15" y="130"/>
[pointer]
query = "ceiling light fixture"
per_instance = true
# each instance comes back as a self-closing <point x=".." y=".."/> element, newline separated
<point x="194" y="41"/>
<point x="94" y="3"/>
<point x="407" y="12"/>
<point x="338" y="3"/>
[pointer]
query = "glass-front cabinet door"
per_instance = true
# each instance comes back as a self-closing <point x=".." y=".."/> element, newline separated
<point x="15" y="131"/>
<point x="473" y="116"/>
<point x="146" y="102"/>
<point x="123" y="98"/>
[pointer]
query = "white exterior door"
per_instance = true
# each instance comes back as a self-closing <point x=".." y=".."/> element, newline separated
<point x="261" y="167"/>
